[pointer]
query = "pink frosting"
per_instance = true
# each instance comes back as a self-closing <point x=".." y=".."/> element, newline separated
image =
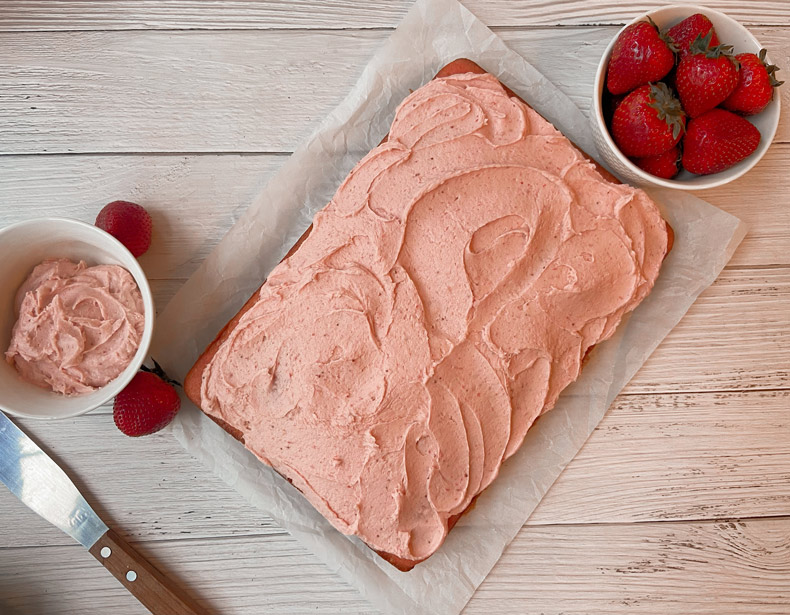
<point x="444" y="298"/>
<point x="78" y="327"/>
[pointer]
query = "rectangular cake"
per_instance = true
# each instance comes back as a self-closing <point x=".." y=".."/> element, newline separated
<point x="437" y="306"/>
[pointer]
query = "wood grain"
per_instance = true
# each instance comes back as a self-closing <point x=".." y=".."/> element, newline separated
<point x="248" y="91"/>
<point x="195" y="199"/>
<point x="31" y="15"/>
<point x="679" y="457"/>
<point x="189" y="107"/>
<point x="157" y="592"/>
<point x="756" y="200"/>
<point x="182" y="499"/>
<point x="715" y="568"/>
<point x="254" y="575"/>
<point x="736" y="336"/>
<point x="653" y="458"/>
<point x="710" y="568"/>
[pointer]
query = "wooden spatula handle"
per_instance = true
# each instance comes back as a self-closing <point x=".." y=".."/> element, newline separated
<point x="145" y="582"/>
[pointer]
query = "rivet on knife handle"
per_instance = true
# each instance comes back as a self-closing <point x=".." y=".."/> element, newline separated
<point x="155" y="591"/>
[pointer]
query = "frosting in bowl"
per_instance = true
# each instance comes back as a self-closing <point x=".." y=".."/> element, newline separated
<point x="78" y="327"/>
<point x="442" y="301"/>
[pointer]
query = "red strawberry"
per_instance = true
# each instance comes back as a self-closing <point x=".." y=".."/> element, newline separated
<point x="717" y="140"/>
<point x="147" y="404"/>
<point x="129" y="223"/>
<point x="664" y="165"/>
<point x="639" y="56"/>
<point x="648" y="122"/>
<point x="706" y="77"/>
<point x="684" y="33"/>
<point x="756" y="83"/>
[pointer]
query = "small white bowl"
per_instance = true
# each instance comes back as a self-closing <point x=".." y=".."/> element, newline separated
<point x="23" y="246"/>
<point x="729" y="32"/>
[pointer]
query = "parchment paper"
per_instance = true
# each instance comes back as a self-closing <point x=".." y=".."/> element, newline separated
<point x="433" y="33"/>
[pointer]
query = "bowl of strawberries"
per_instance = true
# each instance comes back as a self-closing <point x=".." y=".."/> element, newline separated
<point x="684" y="97"/>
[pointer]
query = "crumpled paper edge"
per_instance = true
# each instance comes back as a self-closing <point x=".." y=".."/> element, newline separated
<point x="433" y="33"/>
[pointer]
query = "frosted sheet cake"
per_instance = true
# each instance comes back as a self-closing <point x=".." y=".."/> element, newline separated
<point x="437" y="306"/>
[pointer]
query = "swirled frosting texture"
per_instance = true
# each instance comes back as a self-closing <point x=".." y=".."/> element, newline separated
<point x="78" y="327"/>
<point x="443" y="300"/>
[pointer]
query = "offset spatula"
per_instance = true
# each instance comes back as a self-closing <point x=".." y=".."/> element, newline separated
<point x="38" y="481"/>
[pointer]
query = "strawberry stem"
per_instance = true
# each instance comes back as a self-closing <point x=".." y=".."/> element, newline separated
<point x="667" y="107"/>
<point x="770" y="69"/>
<point x="157" y="370"/>
<point x="702" y="45"/>
<point x="664" y="36"/>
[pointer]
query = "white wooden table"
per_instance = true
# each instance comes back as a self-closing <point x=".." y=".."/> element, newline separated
<point x="679" y="502"/>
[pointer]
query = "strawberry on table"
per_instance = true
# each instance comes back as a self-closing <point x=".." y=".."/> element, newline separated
<point x="756" y="83"/>
<point x="648" y="122"/>
<point x="147" y="404"/>
<point x="717" y="140"/>
<point x="129" y="223"/>
<point x="639" y="56"/>
<point x="665" y="165"/>
<point x="706" y="77"/>
<point x="684" y="33"/>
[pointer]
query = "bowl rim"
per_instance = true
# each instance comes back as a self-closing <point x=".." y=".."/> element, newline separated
<point x="599" y="84"/>
<point x="115" y="386"/>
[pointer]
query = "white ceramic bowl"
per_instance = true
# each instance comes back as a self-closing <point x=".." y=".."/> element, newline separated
<point x="729" y="32"/>
<point x="22" y="247"/>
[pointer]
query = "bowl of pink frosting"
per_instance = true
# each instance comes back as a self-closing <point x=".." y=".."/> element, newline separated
<point x="76" y="318"/>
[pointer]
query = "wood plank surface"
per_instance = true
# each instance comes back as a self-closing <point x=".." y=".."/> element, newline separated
<point x="737" y="567"/>
<point x="197" y="197"/>
<point x="248" y="91"/>
<point x="31" y="15"/>
<point x="712" y="568"/>
<point x="736" y="336"/>
<point x="183" y="499"/>
<point x="759" y="201"/>
<point x="653" y="458"/>
<point x="678" y="503"/>
<point x="220" y="187"/>
<point x="193" y="200"/>
<point x="679" y="457"/>
<point x="256" y="574"/>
